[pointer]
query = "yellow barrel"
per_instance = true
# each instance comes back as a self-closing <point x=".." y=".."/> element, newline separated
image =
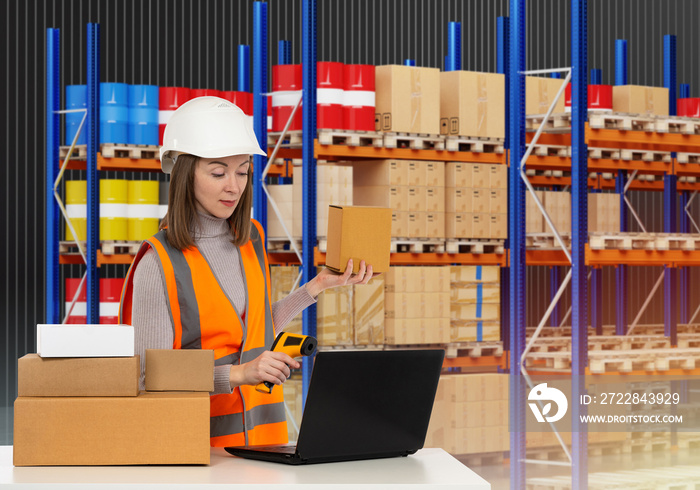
<point x="76" y="209"/>
<point x="143" y="209"/>
<point x="113" y="210"/>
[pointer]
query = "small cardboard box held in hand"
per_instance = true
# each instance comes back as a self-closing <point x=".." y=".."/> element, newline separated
<point x="179" y="370"/>
<point x="358" y="233"/>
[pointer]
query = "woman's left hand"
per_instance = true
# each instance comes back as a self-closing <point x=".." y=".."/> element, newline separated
<point x="327" y="279"/>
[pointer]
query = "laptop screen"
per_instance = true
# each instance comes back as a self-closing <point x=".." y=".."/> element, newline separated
<point x="369" y="402"/>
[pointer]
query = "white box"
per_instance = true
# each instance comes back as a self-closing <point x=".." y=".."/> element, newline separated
<point x="85" y="340"/>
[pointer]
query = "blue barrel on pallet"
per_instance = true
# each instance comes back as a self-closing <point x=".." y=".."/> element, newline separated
<point x="114" y="113"/>
<point x="143" y="114"/>
<point x="76" y="98"/>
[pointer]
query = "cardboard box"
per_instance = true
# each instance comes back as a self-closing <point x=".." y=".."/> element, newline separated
<point x="458" y="225"/>
<point x="481" y="225"/>
<point x="91" y="376"/>
<point x="282" y="279"/>
<point x="498" y="201"/>
<point x="436" y="279"/>
<point x="417" y="172"/>
<point x="637" y="99"/>
<point x="407" y="99"/>
<point x="416" y="224"/>
<point x="399" y="224"/>
<point x="458" y="174"/>
<point x="85" y="340"/>
<point x="360" y="233"/>
<point x="179" y="370"/>
<point x="404" y="279"/>
<point x="476" y="293"/>
<point x="394" y="197"/>
<point x="434" y="174"/>
<point x="534" y="220"/>
<point x="481" y="201"/>
<point x="558" y="207"/>
<point x="475" y="331"/>
<point x="459" y="200"/>
<point x="465" y="274"/>
<point x="435" y="199"/>
<point x="334" y="320"/>
<point x="368" y="312"/>
<point x="540" y="93"/>
<point x="380" y="172"/>
<point x="480" y="176"/>
<point x="152" y="428"/>
<point x="283" y="197"/>
<point x="604" y="213"/>
<point x="498" y="225"/>
<point x="472" y="104"/>
<point x="498" y="177"/>
<point x="473" y="312"/>
<point x="416" y="198"/>
<point x="435" y="225"/>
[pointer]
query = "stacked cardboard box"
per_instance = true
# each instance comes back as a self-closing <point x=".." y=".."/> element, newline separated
<point x="534" y="220"/>
<point x="472" y="104"/>
<point x="333" y="187"/>
<point x="351" y="315"/>
<point x="540" y="93"/>
<point x="283" y="197"/>
<point x="476" y="200"/>
<point x="604" y="213"/>
<point x="407" y="99"/>
<point x="283" y="279"/>
<point x="88" y="411"/>
<point x="470" y="414"/>
<point x="475" y="303"/>
<point x="636" y="99"/>
<point x="416" y="305"/>
<point x="414" y="190"/>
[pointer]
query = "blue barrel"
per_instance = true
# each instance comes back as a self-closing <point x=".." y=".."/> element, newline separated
<point x="76" y="98"/>
<point x="114" y="113"/>
<point x="143" y="114"/>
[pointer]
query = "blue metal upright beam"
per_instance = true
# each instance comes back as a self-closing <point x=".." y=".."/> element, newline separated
<point x="454" y="47"/>
<point x="408" y="62"/>
<point x="243" y="68"/>
<point x="516" y="237"/>
<point x="260" y="108"/>
<point x="670" y="74"/>
<point x="670" y="190"/>
<point x="621" y="62"/>
<point x="596" y="76"/>
<point x="621" y="270"/>
<point x="309" y="60"/>
<point x="684" y="91"/>
<point x="284" y="52"/>
<point x="579" y="237"/>
<point x="53" y="132"/>
<point x="684" y="272"/>
<point x="93" y="179"/>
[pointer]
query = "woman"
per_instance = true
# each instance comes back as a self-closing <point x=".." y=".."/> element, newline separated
<point x="203" y="281"/>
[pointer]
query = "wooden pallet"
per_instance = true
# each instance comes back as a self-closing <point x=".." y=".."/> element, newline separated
<point x="475" y="349"/>
<point x="119" y="247"/>
<point x="79" y="152"/>
<point x="546" y="241"/>
<point x="546" y="173"/>
<point x="621" y="121"/>
<point x="552" y="151"/>
<point x="607" y="153"/>
<point x="417" y="246"/>
<point x="110" y="150"/>
<point x="560" y="122"/>
<point x="622" y="241"/>
<point x="293" y="139"/>
<point x="475" y="145"/>
<point x="645" y="155"/>
<point x="414" y="141"/>
<point x="682" y="125"/>
<point x="350" y="138"/>
<point x="688" y="179"/>
<point x="688" y="157"/>
<point x="475" y="246"/>
<point x="70" y="248"/>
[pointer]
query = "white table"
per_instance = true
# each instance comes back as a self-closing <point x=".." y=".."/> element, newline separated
<point x="427" y="469"/>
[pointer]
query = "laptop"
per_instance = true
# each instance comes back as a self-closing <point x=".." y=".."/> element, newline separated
<point x="361" y="404"/>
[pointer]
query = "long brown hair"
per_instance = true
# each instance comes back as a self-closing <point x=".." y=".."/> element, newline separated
<point x="182" y="207"/>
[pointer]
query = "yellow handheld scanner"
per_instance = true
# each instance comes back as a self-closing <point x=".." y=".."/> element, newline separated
<point x="294" y="346"/>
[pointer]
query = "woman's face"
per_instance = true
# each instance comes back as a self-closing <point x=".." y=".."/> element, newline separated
<point x="219" y="184"/>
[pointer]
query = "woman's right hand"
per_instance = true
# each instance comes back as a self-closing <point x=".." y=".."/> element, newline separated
<point x="274" y="367"/>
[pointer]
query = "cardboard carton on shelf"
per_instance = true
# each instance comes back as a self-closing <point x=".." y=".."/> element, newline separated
<point x="459" y="200"/>
<point x="465" y="274"/>
<point x="458" y="225"/>
<point x="472" y="104"/>
<point x="416" y="224"/>
<point x="475" y="331"/>
<point x="380" y="172"/>
<point x="435" y="199"/>
<point x="534" y="220"/>
<point x="399" y="224"/>
<point x="180" y="370"/>
<point x="498" y="177"/>
<point x="137" y="430"/>
<point x="334" y="317"/>
<point x="417" y="198"/>
<point x="458" y="174"/>
<point x="368" y="306"/>
<point x="85" y="340"/>
<point x="407" y="99"/>
<point x="637" y="99"/>
<point x="435" y="225"/>
<point x="393" y="197"/>
<point x="481" y="178"/>
<point x="481" y="225"/>
<point x="434" y="174"/>
<point x="77" y="376"/>
<point x="417" y="172"/>
<point x="476" y="293"/>
<point x="498" y="226"/>
<point x="540" y="93"/>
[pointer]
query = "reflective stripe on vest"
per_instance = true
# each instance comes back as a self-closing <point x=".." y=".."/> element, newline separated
<point x="205" y="318"/>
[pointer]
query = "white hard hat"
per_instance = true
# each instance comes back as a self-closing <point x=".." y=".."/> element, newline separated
<point x="207" y="127"/>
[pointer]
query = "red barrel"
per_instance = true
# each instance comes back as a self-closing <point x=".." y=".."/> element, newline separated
<point x="169" y="99"/>
<point x="244" y="100"/>
<point x="329" y="95"/>
<point x="286" y="91"/>
<point x="689" y="107"/>
<point x="358" y="98"/>
<point x="78" y="314"/>
<point x="203" y="92"/>
<point x="269" y="113"/>
<point x="110" y="294"/>
<point x="599" y="98"/>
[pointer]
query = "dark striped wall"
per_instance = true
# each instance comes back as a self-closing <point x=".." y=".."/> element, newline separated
<point x="194" y="43"/>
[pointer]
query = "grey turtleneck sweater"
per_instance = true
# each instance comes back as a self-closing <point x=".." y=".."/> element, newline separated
<point x="153" y="326"/>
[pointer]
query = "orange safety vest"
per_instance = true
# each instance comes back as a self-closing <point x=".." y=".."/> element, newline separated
<point x="203" y="317"/>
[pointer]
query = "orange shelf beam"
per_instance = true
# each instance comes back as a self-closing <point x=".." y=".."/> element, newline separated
<point x="342" y="152"/>
<point x="672" y="258"/>
<point x="101" y="259"/>
<point x="642" y="140"/>
<point x="290" y="258"/>
<point x="600" y="165"/>
<point x="466" y="361"/>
